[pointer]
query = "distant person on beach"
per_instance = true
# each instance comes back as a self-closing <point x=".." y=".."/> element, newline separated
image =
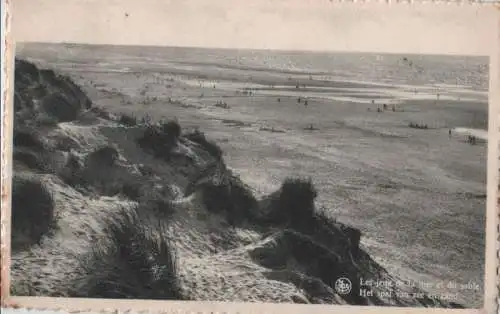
<point x="449" y="133"/>
<point x="305" y="103"/>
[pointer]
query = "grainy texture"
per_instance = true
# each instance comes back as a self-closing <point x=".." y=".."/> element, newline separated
<point x="272" y="130"/>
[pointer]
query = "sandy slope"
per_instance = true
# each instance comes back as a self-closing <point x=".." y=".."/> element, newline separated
<point x="217" y="259"/>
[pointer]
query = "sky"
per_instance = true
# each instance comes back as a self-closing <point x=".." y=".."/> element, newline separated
<point x="261" y="24"/>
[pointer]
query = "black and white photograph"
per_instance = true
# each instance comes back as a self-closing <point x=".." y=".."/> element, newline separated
<point x="249" y="175"/>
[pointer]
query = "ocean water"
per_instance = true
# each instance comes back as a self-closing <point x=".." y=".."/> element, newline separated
<point x="470" y="72"/>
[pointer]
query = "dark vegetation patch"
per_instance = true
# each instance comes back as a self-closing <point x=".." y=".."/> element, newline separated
<point x="96" y="173"/>
<point x="59" y="98"/>
<point x="32" y="160"/>
<point x="293" y="203"/>
<point x="127" y="120"/>
<point x="316" y="260"/>
<point x="32" y="212"/>
<point x="211" y="147"/>
<point x="230" y="198"/>
<point x="160" y="139"/>
<point x="132" y="190"/>
<point x="29" y="138"/>
<point x="101" y="113"/>
<point x="159" y="206"/>
<point x="58" y="106"/>
<point x="65" y="143"/>
<point x="31" y="149"/>
<point x="135" y="260"/>
<point x="171" y="128"/>
<point x="105" y="156"/>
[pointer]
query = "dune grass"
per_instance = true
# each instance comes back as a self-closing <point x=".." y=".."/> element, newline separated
<point x="134" y="260"/>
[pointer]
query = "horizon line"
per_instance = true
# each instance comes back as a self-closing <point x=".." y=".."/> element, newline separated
<point x="123" y="45"/>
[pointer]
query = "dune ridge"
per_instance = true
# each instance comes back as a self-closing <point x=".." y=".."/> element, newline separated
<point x="158" y="203"/>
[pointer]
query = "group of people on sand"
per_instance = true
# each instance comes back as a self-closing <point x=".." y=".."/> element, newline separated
<point x="299" y="101"/>
<point x="384" y="107"/>
<point x="471" y="139"/>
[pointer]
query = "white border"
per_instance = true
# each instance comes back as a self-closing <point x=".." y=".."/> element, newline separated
<point x="424" y="28"/>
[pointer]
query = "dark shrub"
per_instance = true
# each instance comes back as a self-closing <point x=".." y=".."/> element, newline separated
<point x="71" y="173"/>
<point x="30" y="159"/>
<point x="101" y="113"/>
<point x="60" y="107"/>
<point x="25" y="73"/>
<point x="45" y="120"/>
<point x="157" y="141"/>
<point x="136" y="260"/>
<point x="315" y="259"/>
<point x="215" y="197"/>
<point x="32" y="212"/>
<point x="127" y="120"/>
<point x="294" y="202"/>
<point x="230" y="198"/>
<point x="48" y="75"/>
<point x="200" y="139"/>
<point x="28" y="138"/>
<point x="19" y="104"/>
<point x="66" y="144"/>
<point x="132" y="190"/>
<point x="159" y="206"/>
<point x="103" y="156"/>
<point x="171" y="129"/>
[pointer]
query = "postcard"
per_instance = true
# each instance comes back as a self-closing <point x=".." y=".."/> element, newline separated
<point x="251" y="156"/>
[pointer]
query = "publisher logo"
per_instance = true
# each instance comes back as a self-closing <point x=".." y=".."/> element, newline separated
<point x="343" y="286"/>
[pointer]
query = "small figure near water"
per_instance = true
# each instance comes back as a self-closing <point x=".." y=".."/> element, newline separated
<point x="471" y="140"/>
<point x="449" y="133"/>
